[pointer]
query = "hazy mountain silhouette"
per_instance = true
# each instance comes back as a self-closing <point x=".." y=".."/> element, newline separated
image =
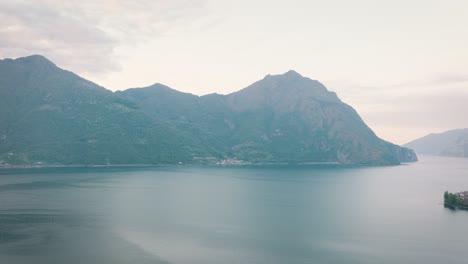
<point x="450" y="143"/>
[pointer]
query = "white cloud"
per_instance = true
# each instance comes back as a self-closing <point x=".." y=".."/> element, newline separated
<point x="83" y="35"/>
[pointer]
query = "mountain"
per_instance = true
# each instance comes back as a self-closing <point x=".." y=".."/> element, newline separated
<point x="450" y="143"/>
<point x="280" y="119"/>
<point x="51" y="116"/>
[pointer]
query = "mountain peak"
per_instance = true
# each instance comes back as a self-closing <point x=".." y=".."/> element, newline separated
<point x="292" y="73"/>
<point x="37" y="59"/>
<point x="289" y="82"/>
<point x="159" y="86"/>
<point x="36" y="62"/>
<point x="282" y="92"/>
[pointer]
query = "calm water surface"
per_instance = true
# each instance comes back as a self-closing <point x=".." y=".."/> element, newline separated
<point x="302" y="214"/>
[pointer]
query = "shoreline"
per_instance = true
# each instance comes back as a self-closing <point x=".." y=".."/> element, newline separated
<point x="79" y="166"/>
<point x="455" y="207"/>
<point x="329" y="163"/>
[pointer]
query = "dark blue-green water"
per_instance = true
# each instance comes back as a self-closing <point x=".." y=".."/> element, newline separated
<point x="272" y="214"/>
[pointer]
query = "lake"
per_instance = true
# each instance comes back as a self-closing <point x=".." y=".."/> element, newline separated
<point x="263" y="214"/>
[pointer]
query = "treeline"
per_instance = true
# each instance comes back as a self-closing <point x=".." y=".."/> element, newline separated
<point x="453" y="199"/>
<point x="456" y="200"/>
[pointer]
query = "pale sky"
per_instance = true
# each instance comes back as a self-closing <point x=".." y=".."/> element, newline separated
<point x="402" y="64"/>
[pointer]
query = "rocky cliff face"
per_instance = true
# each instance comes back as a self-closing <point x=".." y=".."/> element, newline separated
<point x="300" y="118"/>
<point x="51" y="116"/>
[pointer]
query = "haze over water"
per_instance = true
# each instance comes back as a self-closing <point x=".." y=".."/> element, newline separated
<point x="271" y="214"/>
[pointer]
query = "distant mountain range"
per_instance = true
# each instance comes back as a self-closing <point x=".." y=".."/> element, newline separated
<point x="450" y="143"/>
<point x="49" y="116"/>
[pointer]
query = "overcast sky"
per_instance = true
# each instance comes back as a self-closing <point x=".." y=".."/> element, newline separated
<point x="402" y="64"/>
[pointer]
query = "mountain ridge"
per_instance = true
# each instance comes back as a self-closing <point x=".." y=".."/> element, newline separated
<point x="284" y="118"/>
